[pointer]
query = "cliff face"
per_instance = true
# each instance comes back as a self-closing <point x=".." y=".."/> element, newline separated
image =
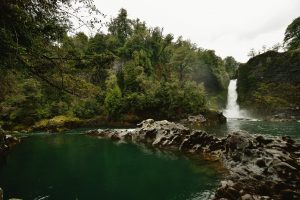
<point x="270" y="83"/>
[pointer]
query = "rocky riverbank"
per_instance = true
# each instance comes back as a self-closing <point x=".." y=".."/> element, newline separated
<point x="259" y="167"/>
<point x="205" y="119"/>
<point x="7" y="141"/>
<point x="62" y="123"/>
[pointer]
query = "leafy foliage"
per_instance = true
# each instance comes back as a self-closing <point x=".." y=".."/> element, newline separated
<point x="231" y="66"/>
<point x="270" y="82"/>
<point x="292" y="35"/>
<point x="132" y="71"/>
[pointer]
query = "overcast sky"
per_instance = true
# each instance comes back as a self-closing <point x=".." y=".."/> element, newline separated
<point x="230" y="27"/>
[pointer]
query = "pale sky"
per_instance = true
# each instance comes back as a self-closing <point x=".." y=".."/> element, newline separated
<point x="230" y="27"/>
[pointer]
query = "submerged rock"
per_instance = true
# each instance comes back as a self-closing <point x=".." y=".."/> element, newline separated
<point x="1" y="194"/>
<point x="260" y="167"/>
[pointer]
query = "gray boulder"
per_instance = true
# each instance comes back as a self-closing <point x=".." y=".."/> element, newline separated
<point x="260" y="167"/>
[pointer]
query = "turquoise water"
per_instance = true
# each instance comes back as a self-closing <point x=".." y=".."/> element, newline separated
<point x="74" y="166"/>
<point x="259" y="127"/>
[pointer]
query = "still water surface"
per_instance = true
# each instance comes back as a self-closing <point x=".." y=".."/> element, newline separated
<point x="258" y="127"/>
<point x="74" y="166"/>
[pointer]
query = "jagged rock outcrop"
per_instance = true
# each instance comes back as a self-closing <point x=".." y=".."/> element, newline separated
<point x="259" y="167"/>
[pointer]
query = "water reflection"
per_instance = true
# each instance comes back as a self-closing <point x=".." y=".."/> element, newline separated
<point x="257" y="127"/>
<point x="81" y="167"/>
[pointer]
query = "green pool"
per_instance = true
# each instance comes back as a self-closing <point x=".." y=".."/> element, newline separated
<point x="75" y="166"/>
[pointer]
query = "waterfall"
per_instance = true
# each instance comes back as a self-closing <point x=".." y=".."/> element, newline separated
<point x="232" y="109"/>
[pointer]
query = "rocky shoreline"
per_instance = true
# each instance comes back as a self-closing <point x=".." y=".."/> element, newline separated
<point x="259" y="167"/>
<point x="63" y="123"/>
<point x="7" y="141"/>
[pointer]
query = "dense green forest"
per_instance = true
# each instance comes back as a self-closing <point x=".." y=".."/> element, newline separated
<point x="127" y="73"/>
<point x="269" y="83"/>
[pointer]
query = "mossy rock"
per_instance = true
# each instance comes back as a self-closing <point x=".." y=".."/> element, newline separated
<point x="58" y="123"/>
<point x="269" y="83"/>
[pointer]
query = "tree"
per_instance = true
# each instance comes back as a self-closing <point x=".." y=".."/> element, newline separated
<point x="252" y="53"/>
<point x="292" y="35"/>
<point x="219" y="79"/>
<point x="120" y="27"/>
<point x="99" y="65"/>
<point x="31" y="32"/>
<point x="264" y="48"/>
<point x="184" y="58"/>
<point x="133" y="77"/>
<point x="113" y="99"/>
<point x="132" y="70"/>
<point x="137" y="41"/>
<point x="276" y="47"/>
<point x="231" y="66"/>
<point x="159" y="47"/>
<point x="98" y="44"/>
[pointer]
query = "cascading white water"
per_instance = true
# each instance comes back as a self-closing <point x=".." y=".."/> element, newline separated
<point x="232" y="109"/>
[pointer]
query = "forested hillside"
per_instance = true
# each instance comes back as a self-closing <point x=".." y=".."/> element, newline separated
<point x="128" y="73"/>
<point x="269" y="83"/>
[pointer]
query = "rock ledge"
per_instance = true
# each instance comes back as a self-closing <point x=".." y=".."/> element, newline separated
<point x="260" y="167"/>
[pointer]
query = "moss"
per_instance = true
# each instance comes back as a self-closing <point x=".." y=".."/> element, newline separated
<point x="57" y="123"/>
<point x="270" y="83"/>
<point x="19" y="127"/>
<point x="131" y="118"/>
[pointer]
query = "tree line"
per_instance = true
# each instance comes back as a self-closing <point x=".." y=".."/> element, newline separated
<point x="130" y="71"/>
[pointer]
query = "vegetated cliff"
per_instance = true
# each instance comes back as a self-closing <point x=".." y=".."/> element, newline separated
<point x="270" y="83"/>
<point x="212" y="71"/>
<point x="130" y="73"/>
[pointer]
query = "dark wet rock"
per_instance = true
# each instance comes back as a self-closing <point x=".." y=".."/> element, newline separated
<point x="263" y="140"/>
<point x="261" y="163"/>
<point x="7" y="141"/>
<point x="1" y="194"/>
<point x="194" y="120"/>
<point x="269" y="161"/>
<point x="260" y="167"/>
<point x="289" y="194"/>
<point x="206" y="118"/>
<point x="288" y="139"/>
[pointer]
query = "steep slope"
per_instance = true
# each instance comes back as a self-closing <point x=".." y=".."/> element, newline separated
<point x="270" y="83"/>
